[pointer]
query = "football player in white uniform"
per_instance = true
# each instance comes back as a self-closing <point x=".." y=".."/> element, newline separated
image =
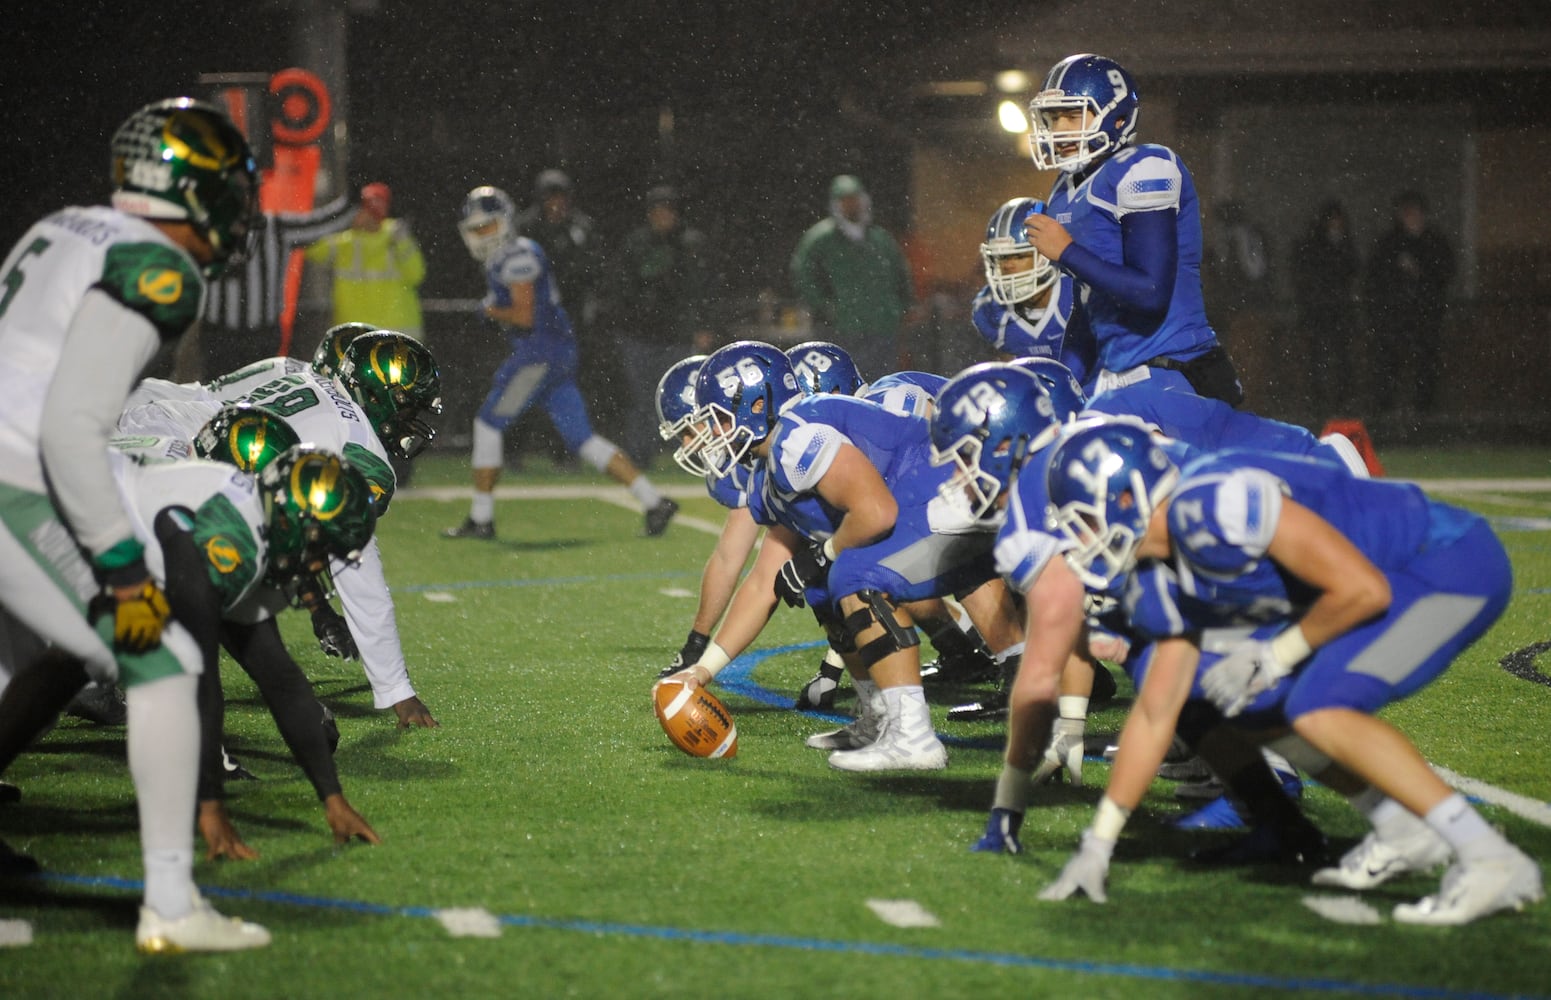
<point x="87" y="298"/>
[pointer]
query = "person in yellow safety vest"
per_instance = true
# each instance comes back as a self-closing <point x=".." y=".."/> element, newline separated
<point x="377" y="267"/>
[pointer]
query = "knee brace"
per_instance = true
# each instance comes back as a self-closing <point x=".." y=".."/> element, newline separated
<point x="840" y="639"/>
<point x="895" y="636"/>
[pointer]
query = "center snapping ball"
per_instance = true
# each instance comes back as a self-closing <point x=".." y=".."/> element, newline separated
<point x="695" y="720"/>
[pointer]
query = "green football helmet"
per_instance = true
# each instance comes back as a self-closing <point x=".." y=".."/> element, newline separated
<point x="331" y="349"/>
<point x="245" y="435"/>
<point x="182" y="159"/>
<point x="395" y="380"/>
<point x="318" y="507"/>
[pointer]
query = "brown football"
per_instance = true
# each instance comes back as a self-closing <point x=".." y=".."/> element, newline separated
<point x="695" y="720"/>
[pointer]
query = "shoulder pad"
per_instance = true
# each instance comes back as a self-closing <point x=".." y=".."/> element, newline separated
<point x="156" y="280"/>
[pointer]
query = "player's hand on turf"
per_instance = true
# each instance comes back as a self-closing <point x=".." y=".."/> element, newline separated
<point x="138" y="606"/>
<point x="806" y="568"/>
<point x="412" y="713"/>
<point x="345" y="823"/>
<point x="1243" y="673"/>
<point x="1086" y="871"/>
<point x="688" y="655"/>
<point x="221" y="838"/>
<point x="333" y="633"/>
<point x="1001" y="836"/>
<point x="1065" y="750"/>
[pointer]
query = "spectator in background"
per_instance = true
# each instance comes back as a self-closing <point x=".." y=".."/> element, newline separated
<point x="853" y="278"/>
<point x="1406" y="288"/>
<point x="659" y="309"/>
<point x="377" y="267"/>
<point x="241" y="321"/>
<point x="1325" y="270"/>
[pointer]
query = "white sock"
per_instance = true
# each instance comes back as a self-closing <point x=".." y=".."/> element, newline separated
<point x="1072" y="706"/>
<point x="869" y="698"/>
<point x="1012" y="789"/>
<point x="1471" y="836"/>
<point x="643" y="490"/>
<point x="482" y="510"/>
<point x="163" y="732"/>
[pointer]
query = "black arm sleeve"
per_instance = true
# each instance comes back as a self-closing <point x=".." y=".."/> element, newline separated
<point x="299" y="715"/>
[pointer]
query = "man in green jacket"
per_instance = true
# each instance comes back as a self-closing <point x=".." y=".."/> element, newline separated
<point x="853" y="278"/>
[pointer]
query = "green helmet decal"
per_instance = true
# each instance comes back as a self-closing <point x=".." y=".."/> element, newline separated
<point x="394" y="379"/>
<point x="245" y="435"/>
<point x="183" y="159"/>
<point x="331" y="349"/>
<point x="318" y="507"/>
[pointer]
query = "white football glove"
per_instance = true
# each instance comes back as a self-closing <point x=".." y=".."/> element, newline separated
<point x="1087" y="870"/>
<point x="1065" y="750"/>
<point x="1251" y="667"/>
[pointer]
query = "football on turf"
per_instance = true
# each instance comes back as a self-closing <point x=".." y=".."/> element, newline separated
<point x="695" y="720"/>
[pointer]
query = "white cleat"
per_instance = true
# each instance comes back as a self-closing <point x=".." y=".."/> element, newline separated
<point x="1373" y="861"/>
<point x="1507" y="882"/>
<point x="204" y="929"/>
<point x="894" y="752"/>
<point x="852" y="736"/>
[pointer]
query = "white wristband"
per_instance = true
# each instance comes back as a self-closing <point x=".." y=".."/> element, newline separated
<point x="1290" y="646"/>
<point x="713" y="659"/>
<point x="829" y="549"/>
<point x="1109" y="820"/>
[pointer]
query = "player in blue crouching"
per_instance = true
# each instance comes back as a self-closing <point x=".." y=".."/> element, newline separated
<point x="1372" y="589"/>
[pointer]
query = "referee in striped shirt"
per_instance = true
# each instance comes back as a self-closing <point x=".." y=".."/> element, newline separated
<point x="241" y="323"/>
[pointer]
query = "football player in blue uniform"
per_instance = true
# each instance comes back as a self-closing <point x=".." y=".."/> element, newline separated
<point x="524" y="301"/>
<point x="1124" y="222"/>
<point x="852" y="483"/>
<point x="1025" y="308"/>
<point x="1369" y="590"/>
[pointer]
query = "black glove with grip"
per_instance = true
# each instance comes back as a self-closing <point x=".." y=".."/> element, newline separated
<point x="804" y="569"/>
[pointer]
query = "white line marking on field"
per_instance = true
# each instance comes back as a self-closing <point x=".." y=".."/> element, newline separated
<point x="617" y="495"/>
<point x="470" y="922"/>
<point x="903" y="913"/>
<point x="15" y="933"/>
<point x="1520" y="805"/>
<point x="440" y="597"/>
<point x="1343" y="909"/>
<point x="676" y="592"/>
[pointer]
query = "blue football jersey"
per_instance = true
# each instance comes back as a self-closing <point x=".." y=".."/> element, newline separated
<point x="522" y="261"/>
<point x="1038" y="333"/>
<point x="1141" y="178"/>
<point x="910" y="393"/>
<point x="1209" y="424"/>
<point x="731" y="490"/>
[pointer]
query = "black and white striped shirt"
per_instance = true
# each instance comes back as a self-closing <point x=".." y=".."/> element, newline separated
<point x="249" y="297"/>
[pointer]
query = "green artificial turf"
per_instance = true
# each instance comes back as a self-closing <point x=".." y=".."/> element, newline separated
<point x="622" y="868"/>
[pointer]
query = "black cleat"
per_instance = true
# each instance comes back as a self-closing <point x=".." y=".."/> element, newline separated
<point x="100" y="703"/>
<point x="471" y="528"/>
<point x="1104" y="686"/>
<point x="819" y="692"/>
<point x="232" y="769"/>
<point x="9" y="793"/>
<point x="658" y="517"/>
<point x="991" y="708"/>
<point x="13" y="862"/>
<point x="974" y="669"/>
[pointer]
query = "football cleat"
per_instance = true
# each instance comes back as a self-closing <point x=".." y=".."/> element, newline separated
<point x="991" y="708"/>
<point x="894" y="751"/>
<point x="100" y="703"/>
<point x="203" y="929"/>
<point x="1484" y="886"/>
<point x="975" y="668"/>
<point x="1373" y="861"/>
<point x="1222" y="813"/>
<point x="1001" y="836"/>
<point x="471" y="528"/>
<point x="819" y="692"/>
<point x="232" y="769"/>
<point x="1300" y="844"/>
<point x="852" y="736"/>
<point x="14" y="862"/>
<point x="658" y="517"/>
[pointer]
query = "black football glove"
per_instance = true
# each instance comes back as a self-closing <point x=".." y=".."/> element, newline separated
<point x="804" y="569"/>
<point x="334" y="633"/>
<point x="689" y="655"/>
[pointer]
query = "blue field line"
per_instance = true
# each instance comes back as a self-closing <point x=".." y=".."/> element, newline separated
<point x="550" y="581"/>
<point x="873" y="948"/>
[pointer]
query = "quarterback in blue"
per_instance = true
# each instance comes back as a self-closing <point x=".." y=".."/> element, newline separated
<point x="523" y="299"/>
<point x="851" y="487"/>
<point x="1123" y="220"/>
<point x="1025" y="308"/>
<point x="1372" y="590"/>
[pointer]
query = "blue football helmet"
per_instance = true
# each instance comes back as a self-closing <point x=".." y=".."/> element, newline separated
<point x="822" y="367"/>
<point x="1065" y="391"/>
<point x="1006" y="239"/>
<point x="486" y="221"/>
<point x="1099" y="87"/>
<point x="739" y="394"/>
<point x="989" y="419"/>
<point x="1106" y="477"/>
<point x="676" y="413"/>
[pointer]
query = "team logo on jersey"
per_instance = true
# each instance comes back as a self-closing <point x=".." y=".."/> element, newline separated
<point x="164" y="287"/>
<point x="223" y="555"/>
